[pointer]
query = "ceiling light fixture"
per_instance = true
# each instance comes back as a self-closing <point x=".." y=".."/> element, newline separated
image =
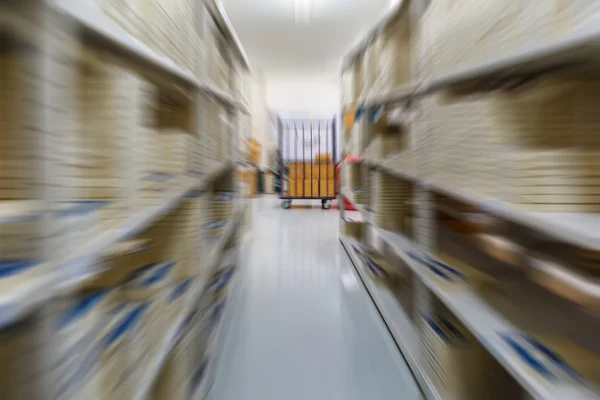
<point x="303" y="11"/>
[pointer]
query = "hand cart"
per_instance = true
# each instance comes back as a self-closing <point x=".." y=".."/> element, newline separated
<point x="307" y="160"/>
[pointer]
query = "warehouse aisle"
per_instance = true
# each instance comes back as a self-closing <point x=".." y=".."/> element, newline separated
<point x="302" y="325"/>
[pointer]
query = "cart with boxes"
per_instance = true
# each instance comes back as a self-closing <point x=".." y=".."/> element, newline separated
<point x="307" y="159"/>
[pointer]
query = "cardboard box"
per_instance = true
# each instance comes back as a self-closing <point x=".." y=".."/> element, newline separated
<point x="315" y="171"/>
<point x="311" y="188"/>
<point x="296" y="188"/>
<point x="327" y="187"/>
<point x="454" y="360"/>
<point x="296" y="171"/>
<point x="352" y="228"/>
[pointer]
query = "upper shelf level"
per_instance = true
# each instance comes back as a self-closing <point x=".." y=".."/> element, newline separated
<point x="99" y="30"/>
<point x="387" y="18"/>
<point x="575" y="51"/>
<point x="226" y="27"/>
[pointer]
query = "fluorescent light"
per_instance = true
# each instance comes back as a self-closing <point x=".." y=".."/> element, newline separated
<point x="303" y="10"/>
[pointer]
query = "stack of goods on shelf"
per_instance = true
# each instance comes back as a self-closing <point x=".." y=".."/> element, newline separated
<point x="206" y="110"/>
<point x="254" y="151"/>
<point x="126" y="14"/>
<point x="395" y="62"/>
<point x="218" y="55"/>
<point x="154" y="172"/>
<point x="94" y="165"/>
<point x="458" y="365"/>
<point x="23" y="233"/>
<point x="87" y="141"/>
<point x="392" y="203"/>
<point x="173" y="378"/>
<point x="352" y="181"/>
<point x="390" y="143"/>
<point x="77" y="223"/>
<point x="227" y="144"/>
<point x="21" y="160"/>
<point x="219" y="210"/>
<point x="167" y="28"/>
<point x="215" y="125"/>
<point x="469" y="32"/>
<point x="532" y="148"/>
<point x="380" y="270"/>
<point x="175" y="238"/>
<point x="352" y="228"/>
<point x="79" y="320"/>
<point x="236" y="80"/>
<point x="176" y="141"/>
<point x="97" y="322"/>
<point x="26" y="353"/>
<point x="248" y="177"/>
<point x="520" y="135"/>
<point x="149" y="288"/>
<point x="221" y="205"/>
<point x="370" y="69"/>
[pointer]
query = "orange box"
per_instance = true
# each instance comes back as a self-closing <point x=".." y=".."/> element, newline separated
<point x="326" y="172"/>
<point x="296" y="188"/>
<point x="327" y="188"/>
<point x="296" y="171"/>
<point x="323" y="157"/>
<point x="319" y="188"/>
<point x="316" y="171"/>
<point x="311" y="188"/>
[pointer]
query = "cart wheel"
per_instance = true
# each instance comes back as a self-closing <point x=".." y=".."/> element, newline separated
<point x="325" y="204"/>
<point x="287" y="204"/>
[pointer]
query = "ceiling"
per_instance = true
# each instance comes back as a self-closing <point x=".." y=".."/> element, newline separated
<point x="280" y="41"/>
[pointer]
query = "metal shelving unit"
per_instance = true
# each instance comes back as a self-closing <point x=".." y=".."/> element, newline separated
<point x="124" y="198"/>
<point x="495" y="303"/>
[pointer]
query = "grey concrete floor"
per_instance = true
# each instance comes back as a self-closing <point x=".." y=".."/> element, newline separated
<point x="302" y="324"/>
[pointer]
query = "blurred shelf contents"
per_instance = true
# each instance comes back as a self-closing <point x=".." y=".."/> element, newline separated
<point x="475" y="124"/>
<point x="118" y="145"/>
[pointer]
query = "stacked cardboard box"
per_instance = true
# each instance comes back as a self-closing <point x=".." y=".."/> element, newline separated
<point x="129" y="15"/>
<point x="93" y="164"/>
<point x="532" y="149"/>
<point x="311" y="180"/>
<point x="150" y="286"/>
<point x="172" y="382"/>
<point x="458" y="365"/>
<point x="175" y="237"/>
<point x="392" y="203"/>
<point x="219" y="212"/>
<point x="20" y="157"/>
<point x="168" y="28"/>
<point x="21" y="231"/>
<point x="471" y="32"/>
<point x="120" y="355"/>
<point x="77" y="319"/>
<point x="218" y="55"/>
<point x="26" y="351"/>
<point x="395" y="62"/>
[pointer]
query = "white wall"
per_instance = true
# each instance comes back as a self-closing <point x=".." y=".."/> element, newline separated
<point x="303" y="96"/>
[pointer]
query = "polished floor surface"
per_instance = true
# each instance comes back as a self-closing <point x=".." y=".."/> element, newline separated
<point x="302" y="325"/>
